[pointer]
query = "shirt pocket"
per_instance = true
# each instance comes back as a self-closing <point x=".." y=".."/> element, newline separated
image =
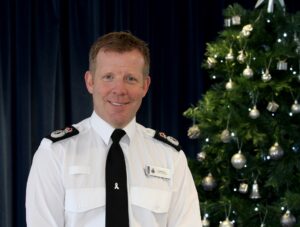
<point x="155" y="200"/>
<point x="84" y="199"/>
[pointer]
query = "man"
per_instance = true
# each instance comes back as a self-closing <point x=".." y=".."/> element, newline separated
<point x="67" y="184"/>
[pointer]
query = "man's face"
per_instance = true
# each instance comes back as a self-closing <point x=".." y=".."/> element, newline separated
<point x="117" y="86"/>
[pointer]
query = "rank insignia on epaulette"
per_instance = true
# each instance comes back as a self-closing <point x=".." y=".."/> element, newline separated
<point x="62" y="133"/>
<point x="167" y="139"/>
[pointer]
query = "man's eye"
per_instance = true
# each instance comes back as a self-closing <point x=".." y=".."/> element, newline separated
<point x="131" y="79"/>
<point x="107" y="77"/>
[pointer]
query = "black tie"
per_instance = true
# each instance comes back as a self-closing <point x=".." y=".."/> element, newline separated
<point x="116" y="184"/>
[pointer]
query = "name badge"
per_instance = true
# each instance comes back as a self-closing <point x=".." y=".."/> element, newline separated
<point x="155" y="171"/>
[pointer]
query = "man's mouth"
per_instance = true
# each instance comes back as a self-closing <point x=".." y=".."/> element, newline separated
<point x="118" y="103"/>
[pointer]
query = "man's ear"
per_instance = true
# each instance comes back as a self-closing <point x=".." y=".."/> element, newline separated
<point x="89" y="81"/>
<point x="146" y="84"/>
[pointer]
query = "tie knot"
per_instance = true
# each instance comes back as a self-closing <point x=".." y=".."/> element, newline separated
<point x="117" y="135"/>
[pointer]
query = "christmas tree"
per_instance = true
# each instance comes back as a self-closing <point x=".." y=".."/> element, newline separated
<point x="247" y="170"/>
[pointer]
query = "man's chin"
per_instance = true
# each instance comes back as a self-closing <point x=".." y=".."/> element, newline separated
<point x="119" y="122"/>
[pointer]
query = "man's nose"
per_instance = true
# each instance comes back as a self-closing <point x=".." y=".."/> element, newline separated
<point x="119" y="86"/>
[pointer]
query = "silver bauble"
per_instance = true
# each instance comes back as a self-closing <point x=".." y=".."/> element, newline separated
<point x="272" y="107"/>
<point x="254" y="113"/>
<point x="229" y="85"/>
<point x="209" y="182"/>
<point x="241" y="57"/>
<point x="276" y="151"/>
<point x="238" y="160"/>
<point x="193" y="132"/>
<point x="226" y="223"/>
<point x="225" y="136"/>
<point x="287" y="220"/>
<point x="205" y="222"/>
<point x="201" y="156"/>
<point x="295" y="107"/>
<point x="229" y="56"/>
<point x="266" y="76"/>
<point x="248" y="72"/>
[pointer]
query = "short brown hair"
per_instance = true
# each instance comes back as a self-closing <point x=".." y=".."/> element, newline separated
<point x="120" y="42"/>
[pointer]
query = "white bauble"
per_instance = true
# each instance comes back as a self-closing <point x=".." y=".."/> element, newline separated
<point x="238" y="160"/>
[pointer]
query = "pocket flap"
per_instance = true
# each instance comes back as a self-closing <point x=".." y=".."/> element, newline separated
<point x="155" y="200"/>
<point x="83" y="199"/>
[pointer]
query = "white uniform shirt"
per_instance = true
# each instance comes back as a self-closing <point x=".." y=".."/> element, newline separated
<point x="66" y="184"/>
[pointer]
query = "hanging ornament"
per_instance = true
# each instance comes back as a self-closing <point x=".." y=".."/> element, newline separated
<point x="276" y="151"/>
<point x="236" y="20"/>
<point x="297" y="41"/>
<point x="248" y="72"/>
<point x="255" y="191"/>
<point x="238" y="160"/>
<point x="225" y="136"/>
<point x="288" y="219"/>
<point x="241" y="57"/>
<point x="282" y="65"/>
<point x="205" y="222"/>
<point x="229" y="85"/>
<point x="270" y="8"/>
<point x="243" y="188"/>
<point x="227" y="22"/>
<point x="295" y="107"/>
<point x="209" y="182"/>
<point x="254" y="113"/>
<point x="266" y="76"/>
<point x="246" y="31"/>
<point x="272" y="106"/>
<point x="201" y="156"/>
<point x="298" y="49"/>
<point x="211" y="62"/>
<point x="226" y="223"/>
<point x="264" y="219"/>
<point x="230" y="56"/>
<point x="193" y="132"/>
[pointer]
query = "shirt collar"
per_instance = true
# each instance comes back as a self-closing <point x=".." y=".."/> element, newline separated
<point x="104" y="129"/>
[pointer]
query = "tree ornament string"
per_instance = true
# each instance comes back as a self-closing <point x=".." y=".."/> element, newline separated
<point x="254" y="112"/>
<point x="262" y="220"/>
<point x="271" y="3"/>
<point x="266" y="76"/>
<point x="225" y="135"/>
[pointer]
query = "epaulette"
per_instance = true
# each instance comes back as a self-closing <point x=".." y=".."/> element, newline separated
<point x="61" y="134"/>
<point x="167" y="139"/>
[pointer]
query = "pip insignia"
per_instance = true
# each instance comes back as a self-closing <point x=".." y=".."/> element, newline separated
<point x="167" y="139"/>
<point x="62" y="133"/>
